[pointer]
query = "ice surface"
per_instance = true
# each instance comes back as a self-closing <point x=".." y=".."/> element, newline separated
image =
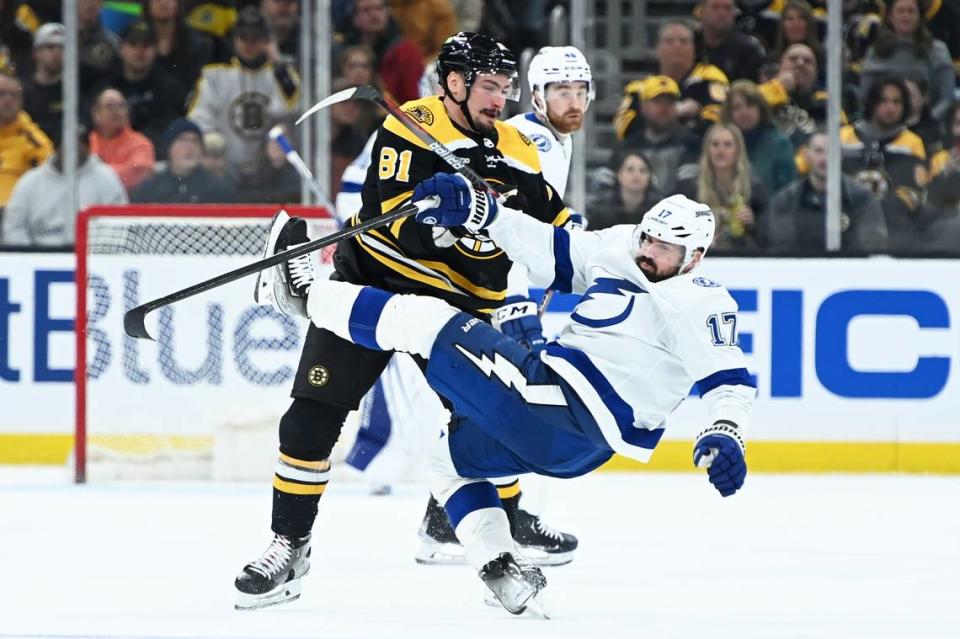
<point x="661" y="556"/>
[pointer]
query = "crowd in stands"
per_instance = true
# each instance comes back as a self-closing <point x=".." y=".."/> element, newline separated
<point x="736" y="114"/>
<point x="177" y="97"/>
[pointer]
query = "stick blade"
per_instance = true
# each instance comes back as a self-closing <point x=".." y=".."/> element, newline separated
<point x="134" y="322"/>
<point x="339" y="96"/>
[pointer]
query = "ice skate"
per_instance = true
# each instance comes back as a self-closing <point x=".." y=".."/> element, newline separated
<point x="514" y="583"/>
<point x="540" y="543"/>
<point x="274" y="577"/>
<point x="285" y="285"/>
<point x="438" y="542"/>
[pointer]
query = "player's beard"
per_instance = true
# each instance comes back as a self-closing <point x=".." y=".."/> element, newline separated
<point x="483" y="127"/>
<point x="649" y="269"/>
<point x="569" y="122"/>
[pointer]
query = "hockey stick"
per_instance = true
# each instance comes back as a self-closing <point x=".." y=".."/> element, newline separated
<point x="371" y="94"/>
<point x="276" y="134"/>
<point x="133" y="320"/>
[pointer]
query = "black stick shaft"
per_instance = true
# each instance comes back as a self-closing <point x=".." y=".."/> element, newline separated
<point x="133" y="320"/>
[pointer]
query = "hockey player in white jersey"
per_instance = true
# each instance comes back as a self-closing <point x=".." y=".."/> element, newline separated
<point x="561" y="89"/>
<point x="645" y="331"/>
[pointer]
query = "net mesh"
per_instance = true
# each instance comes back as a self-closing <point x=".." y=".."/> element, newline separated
<point x="198" y="236"/>
<point x="127" y="261"/>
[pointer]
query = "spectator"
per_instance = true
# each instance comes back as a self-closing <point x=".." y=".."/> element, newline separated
<point x="99" y="49"/>
<point x="184" y="181"/>
<point x="920" y="120"/>
<point x="904" y="47"/>
<point x="796" y="218"/>
<point x="215" y="154"/>
<point x="356" y="68"/>
<point x="181" y="50"/>
<point x="469" y="13"/>
<point x="43" y="94"/>
<point x="943" y="192"/>
<point x="36" y="214"/>
<point x="399" y="59"/>
<point x="239" y="100"/>
<point x="720" y="44"/>
<point x="798" y="25"/>
<point x="356" y="65"/>
<point x="799" y="105"/>
<point x="347" y="136"/>
<point x="275" y="180"/>
<point x="861" y="24"/>
<point x="15" y="39"/>
<point x="884" y="155"/>
<point x="632" y="195"/>
<point x="943" y="20"/>
<point x="154" y="97"/>
<point x="664" y="141"/>
<point x="770" y="153"/>
<point x="23" y="145"/>
<point x="283" y="19"/>
<point x="726" y="184"/>
<point x="129" y="153"/>
<point x="703" y="87"/>
<point x="427" y="22"/>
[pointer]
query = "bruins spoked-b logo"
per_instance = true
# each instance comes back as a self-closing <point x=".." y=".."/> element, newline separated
<point x="421" y="114"/>
<point x="318" y="376"/>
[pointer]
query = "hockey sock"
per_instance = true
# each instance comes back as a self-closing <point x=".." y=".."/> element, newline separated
<point x="480" y="523"/>
<point x="297" y="487"/>
<point x="377" y="319"/>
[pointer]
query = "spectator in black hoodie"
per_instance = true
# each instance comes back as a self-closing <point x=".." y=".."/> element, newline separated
<point x="184" y="181"/>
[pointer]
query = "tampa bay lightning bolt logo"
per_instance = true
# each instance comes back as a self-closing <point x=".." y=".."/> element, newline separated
<point x="705" y="282"/>
<point x="542" y="142"/>
<point x="607" y="286"/>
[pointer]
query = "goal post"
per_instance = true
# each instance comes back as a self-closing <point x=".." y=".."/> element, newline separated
<point x="157" y="409"/>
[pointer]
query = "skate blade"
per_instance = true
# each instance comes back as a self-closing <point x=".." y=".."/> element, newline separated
<point x="532" y="607"/>
<point x="432" y="553"/>
<point x="262" y="294"/>
<point x="283" y="593"/>
<point x="541" y="558"/>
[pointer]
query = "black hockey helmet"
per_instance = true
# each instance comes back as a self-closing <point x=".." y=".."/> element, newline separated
<point x="473" y="54"/>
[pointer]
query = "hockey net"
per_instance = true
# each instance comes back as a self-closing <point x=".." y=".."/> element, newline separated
<point x="203" y="400"/>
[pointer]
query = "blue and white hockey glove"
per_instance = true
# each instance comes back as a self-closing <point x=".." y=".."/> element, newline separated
<point x="576" y="222"/>
<point x="720" y="449"/>
<point x="518" y="318"/>
<point x="460" y="204"/>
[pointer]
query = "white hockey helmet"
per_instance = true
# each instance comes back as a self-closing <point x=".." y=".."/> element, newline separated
<point x="557" y="64"/>
<point x="679" y="220"/>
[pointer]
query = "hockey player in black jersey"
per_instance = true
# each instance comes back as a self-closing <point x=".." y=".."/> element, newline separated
<point x="478" y="75"/>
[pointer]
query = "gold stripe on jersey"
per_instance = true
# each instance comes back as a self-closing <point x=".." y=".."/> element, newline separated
<point x="295" y="488"/>
<point x="706" y="73"/>
<point x="517" y="147"/>
<point x="464" y="283"/>
<point x="562" y="217"/>
<point x="403" y="267"/>
<point x="388" y="205"/>
<point x="435" y="274"/>
<point x="432" y="116"/>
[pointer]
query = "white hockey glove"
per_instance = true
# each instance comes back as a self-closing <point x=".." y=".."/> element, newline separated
<point x="460" y="204"/>
<point x="720" y="450"/>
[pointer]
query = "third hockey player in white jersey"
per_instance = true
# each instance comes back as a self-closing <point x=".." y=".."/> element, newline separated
<point x="646" y="330"/>
<point x="561" y="89"/>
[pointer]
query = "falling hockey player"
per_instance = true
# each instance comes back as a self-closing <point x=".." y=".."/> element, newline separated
<point x="467" y="270"/>
<point x="645" y="331"/>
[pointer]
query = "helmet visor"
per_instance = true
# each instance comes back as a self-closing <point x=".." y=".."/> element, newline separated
<point x="497" y="84"/>
<point x="570" y="93"/>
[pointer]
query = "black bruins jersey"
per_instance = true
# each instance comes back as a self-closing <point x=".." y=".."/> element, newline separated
<point x="704" y="83"/>
<point x="468" y="271"/>
<point x="895" y="168"/>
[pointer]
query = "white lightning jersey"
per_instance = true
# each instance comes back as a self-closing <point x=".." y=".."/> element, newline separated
<point x="555" y="153"/>
<point x="349" y="201"/>
<point x="633" y="349"/>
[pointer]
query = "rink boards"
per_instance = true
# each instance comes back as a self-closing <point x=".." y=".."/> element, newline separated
<point x="854" y="359"/>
